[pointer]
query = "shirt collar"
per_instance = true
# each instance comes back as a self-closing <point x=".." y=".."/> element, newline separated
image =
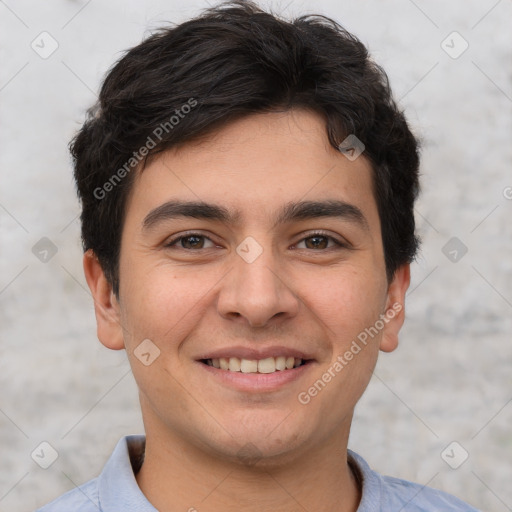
<point x="118" y="488"/>
<point x="370" y="482"/>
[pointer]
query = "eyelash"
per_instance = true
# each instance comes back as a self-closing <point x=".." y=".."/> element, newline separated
<point x="339" y="244"/>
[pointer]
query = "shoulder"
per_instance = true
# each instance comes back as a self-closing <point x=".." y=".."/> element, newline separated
<point x="386" y="493"/>
<point x="115" y="488"/>
<point x="414" y="497"/>
<point x="81" y="499"/>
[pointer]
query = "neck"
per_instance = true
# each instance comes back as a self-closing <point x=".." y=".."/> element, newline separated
<point x="179" y="476"/>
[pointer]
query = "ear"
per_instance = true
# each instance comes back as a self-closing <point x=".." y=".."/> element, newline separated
<point x="394" y="314"/>
<point x="106" y="306"/>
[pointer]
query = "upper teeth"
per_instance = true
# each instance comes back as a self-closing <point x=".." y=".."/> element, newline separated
<point x="268" y="365"/>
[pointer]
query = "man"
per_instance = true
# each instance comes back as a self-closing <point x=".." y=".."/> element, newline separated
<point x="247" y="189"/>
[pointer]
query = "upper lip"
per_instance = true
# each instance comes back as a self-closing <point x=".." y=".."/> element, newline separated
<point x="255" y="353"/>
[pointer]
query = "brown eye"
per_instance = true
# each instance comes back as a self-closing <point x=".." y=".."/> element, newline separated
<point x="190" y="242"/>
<point x="320" y="241"/>
<point x="317" y="242"/>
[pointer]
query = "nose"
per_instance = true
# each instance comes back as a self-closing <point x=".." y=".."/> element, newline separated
<point x="257" y="291"/>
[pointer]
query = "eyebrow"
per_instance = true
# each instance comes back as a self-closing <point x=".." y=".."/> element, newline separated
<point x="293" y="211"/>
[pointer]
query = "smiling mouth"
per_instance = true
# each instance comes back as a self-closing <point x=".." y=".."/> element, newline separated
<point x="267" y="365"/>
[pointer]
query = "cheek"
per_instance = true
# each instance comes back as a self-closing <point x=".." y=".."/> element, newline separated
<point x="350" y="302"/>
<point x="161" y="304"/>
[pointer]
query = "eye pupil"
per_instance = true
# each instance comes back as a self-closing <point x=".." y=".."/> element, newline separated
<point x="317" y="245"/>
<point x="185" y="240"/>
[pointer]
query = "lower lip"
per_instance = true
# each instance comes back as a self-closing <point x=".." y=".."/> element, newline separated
<point x="257" y="382"/>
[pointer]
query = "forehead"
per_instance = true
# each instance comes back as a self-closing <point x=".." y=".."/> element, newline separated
<point x="257" y="168"/>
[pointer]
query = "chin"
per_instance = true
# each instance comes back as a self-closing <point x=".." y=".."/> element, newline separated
<point x="264" y="441"/>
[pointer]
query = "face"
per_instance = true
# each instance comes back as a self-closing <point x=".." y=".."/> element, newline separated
<point x="279" y="272"/>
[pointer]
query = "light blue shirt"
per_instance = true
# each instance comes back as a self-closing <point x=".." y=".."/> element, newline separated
<point x="116" y="489"/>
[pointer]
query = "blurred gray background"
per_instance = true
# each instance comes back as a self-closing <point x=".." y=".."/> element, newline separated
<point x="450" y="380"/>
